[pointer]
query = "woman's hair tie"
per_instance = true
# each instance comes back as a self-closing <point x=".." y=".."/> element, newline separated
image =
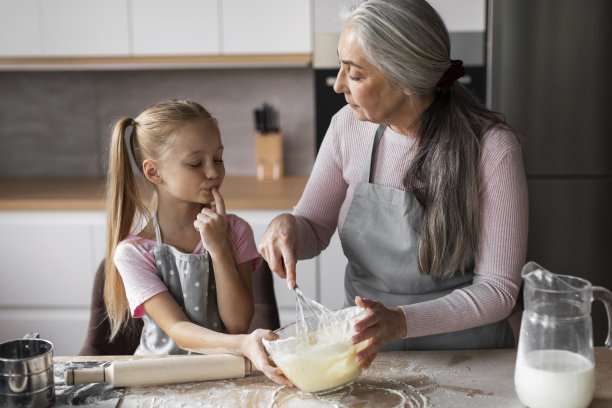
<point x="453" y="73"/>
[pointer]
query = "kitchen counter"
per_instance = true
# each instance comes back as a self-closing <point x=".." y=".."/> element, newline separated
<point x="239" y="193"/>
<point x="462" y="378"/>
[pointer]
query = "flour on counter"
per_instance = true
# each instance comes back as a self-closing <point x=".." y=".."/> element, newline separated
<point x="256" y="391"/>
<point x="99" y="395"/>
<point x="362" y="394"/>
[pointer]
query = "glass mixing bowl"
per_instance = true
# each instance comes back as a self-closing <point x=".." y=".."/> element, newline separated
<point x="323" y="358"/>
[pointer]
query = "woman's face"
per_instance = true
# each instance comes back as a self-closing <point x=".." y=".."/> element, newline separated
<point x="366" y="88"/>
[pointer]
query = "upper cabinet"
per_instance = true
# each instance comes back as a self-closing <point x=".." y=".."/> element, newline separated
<point x="462" y="16"/>
<point x="19" y="28"/>
<point x="154" y="31"/>
<point x="84" y="27"/>
<point x="178" y="27"/>
<point x="266" y="26"/>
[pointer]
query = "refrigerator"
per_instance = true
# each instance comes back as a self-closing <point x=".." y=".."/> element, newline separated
<point x="549" y="71"/>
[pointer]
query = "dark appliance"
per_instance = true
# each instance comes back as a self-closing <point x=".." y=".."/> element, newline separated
<point x="549" y="74"/>
<point x="327" y="101"/>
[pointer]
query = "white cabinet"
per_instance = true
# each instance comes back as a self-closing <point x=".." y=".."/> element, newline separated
<point x="123" y="28"/>
<point x="461" y="16"/>
<point x="332" y="264"/>
<point x="321" y="278"/>
<point x="84" y="28"/>
<point x="19" y="28"/>
<point x="180" y="27"/>
<point x="49" y="261"/>
<point x="306" y="270"/>
<point x="266" y="26"/>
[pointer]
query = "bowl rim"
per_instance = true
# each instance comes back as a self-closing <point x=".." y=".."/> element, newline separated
<point x="279" y="340"/>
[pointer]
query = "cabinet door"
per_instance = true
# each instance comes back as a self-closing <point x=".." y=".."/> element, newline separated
<point x="332" y="264"/>
<point x="19" y="29"/>
<point x="84" y="28"/>
<point x="306" y="269"/>
<point x="48" y="257"/>
<point x="464" y="15"/>
<point x="266" y="26"/>
<point x="65" y="328"/>
<point x="180" y="27"/>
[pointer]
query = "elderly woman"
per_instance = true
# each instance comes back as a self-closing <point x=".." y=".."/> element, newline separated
<point x="425" y="185"/>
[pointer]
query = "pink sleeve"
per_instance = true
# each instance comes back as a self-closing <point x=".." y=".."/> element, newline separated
<point x="500" y="255"/>
<point x="243" y="239"/>
<point x="135" y="262"/>
<point x="319" y="207"/>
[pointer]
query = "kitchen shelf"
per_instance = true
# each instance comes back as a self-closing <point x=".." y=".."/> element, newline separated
<point x="155" y="62"/>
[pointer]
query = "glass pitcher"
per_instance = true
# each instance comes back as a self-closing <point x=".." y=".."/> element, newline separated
<point x="555" y="366"/>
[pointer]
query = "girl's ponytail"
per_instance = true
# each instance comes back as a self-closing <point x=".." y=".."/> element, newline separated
<point x="123" y="203"/>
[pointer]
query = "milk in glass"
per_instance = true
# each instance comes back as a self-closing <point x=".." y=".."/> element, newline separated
<point x="554" y="378"/>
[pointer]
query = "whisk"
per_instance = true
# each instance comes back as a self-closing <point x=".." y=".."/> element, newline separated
<point x="321" y="314"/>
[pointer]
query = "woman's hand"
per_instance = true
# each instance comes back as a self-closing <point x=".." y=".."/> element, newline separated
<point x="278" y="246"/>
<point x="379" y="326"/>
<point x="253" y="349"/>
<point x="212" y="224"/>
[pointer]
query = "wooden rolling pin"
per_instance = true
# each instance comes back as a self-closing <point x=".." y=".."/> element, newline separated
<point x="165" y="370"/>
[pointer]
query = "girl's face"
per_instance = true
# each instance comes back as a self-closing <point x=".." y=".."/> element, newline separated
<point x="193" y="165"/>
<point x="365" y="87"/>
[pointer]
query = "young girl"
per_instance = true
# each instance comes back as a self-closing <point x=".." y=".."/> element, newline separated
<point x="187" y="274"/>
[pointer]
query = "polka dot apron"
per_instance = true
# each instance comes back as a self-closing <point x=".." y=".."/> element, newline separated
<point x="191" y="282"/>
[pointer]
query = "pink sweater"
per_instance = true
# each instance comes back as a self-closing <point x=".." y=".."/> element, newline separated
<point x="504" y="217"/>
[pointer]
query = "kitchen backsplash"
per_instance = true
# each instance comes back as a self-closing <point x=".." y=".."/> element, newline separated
<point x="58" y="123"/>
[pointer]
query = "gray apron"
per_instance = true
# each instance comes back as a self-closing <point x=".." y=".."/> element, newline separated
<point x="380" y="236"/>
<point x="191" y="282"/>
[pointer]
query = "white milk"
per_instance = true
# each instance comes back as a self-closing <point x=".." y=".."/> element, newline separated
<point x="554" y="378"/>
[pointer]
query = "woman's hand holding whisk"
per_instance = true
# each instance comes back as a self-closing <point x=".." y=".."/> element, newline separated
<point x="278" y="246"/>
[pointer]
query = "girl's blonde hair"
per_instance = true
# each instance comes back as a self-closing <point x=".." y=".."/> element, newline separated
<point x="129" y="196"/>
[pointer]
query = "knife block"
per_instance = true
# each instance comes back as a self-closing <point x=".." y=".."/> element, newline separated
<point x="269" y="156"/>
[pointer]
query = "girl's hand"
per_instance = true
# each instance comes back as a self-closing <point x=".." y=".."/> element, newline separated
<point x="278" y="246"/>
<point x="253" y="349"/>
<point x="380" y="325"/>
<point x="212" y="224"/>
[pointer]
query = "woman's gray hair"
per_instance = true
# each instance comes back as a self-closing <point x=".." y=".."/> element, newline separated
<point x="408" y="41"/>
<point x="405" y="39"/>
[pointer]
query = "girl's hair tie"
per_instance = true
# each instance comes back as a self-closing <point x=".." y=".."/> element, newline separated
<point x="454" y="72"/>
<point x="128" y="139"/>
